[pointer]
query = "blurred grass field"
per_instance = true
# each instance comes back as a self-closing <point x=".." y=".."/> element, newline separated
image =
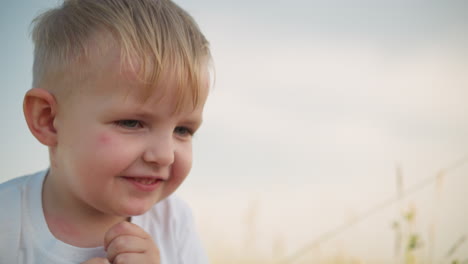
<point x="410" y="248"/>
<point x="413" y="242"/>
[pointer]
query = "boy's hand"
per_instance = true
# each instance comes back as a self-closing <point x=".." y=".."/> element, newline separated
<point x="127" y="243"/>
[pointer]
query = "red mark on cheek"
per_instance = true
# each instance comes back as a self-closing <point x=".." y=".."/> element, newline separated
<point x="104" y="139"/>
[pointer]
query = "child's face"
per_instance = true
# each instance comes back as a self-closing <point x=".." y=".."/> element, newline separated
<point x="118" y="153"/>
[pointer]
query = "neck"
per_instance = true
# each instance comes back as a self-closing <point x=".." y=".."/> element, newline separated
<point x="71" y="220"/>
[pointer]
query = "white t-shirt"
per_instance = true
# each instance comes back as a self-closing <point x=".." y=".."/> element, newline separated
<point x="26" y="238"/>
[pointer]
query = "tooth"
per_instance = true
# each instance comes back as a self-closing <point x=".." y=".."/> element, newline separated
<point x="145" y="181"/>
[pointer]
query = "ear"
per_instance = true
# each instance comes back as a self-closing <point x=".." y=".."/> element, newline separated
<point x="40" y="109"/>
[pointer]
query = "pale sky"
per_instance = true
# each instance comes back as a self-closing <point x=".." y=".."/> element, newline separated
<point x="315" y="103"/>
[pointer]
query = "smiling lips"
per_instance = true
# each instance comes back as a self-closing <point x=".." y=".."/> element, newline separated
<point x="146" y="184"/>
<point x="145" y="181"/>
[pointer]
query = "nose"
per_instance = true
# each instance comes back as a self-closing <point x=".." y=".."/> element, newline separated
<point x="160" y="150"/>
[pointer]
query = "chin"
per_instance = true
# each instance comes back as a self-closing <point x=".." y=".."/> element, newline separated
<point x="135" y="210"/>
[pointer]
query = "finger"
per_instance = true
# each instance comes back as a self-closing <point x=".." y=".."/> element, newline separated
<point x="132" y="258"/>
<point x="97" y="261"/>
<point x="126" y="244"/>
<point x="124" y="228"/>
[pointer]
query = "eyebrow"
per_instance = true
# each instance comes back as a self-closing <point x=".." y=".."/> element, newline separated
<point x="196" y="123"/>
<point x="190" y="119"/>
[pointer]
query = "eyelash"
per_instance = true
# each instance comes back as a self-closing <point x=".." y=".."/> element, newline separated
<point x="138" y="124"/>
<point x="124" y="123"/>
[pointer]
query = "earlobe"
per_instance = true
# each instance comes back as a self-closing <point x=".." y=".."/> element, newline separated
<point x="40" y="109"/>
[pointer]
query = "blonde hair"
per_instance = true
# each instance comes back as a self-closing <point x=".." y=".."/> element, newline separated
<point x="160" y="35"/>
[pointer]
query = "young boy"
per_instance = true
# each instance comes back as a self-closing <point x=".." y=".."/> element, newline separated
<point x="119" y="90"/>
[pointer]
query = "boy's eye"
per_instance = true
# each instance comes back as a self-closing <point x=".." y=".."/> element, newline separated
<point x="183" y="131"/>
<point x="129" y="123"/>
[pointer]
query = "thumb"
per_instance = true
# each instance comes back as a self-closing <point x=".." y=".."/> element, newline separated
<point x="97" y="261"/>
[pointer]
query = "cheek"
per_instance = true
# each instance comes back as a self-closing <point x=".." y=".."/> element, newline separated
<point x="107" y="151"/>
<point x="114" y="149"/>
<point x="102" y="156"/>
<point x="104" y="139"/>
<point x="183" y="163"/>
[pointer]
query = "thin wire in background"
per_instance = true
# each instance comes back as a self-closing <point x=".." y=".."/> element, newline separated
<point x="377" y="208"/>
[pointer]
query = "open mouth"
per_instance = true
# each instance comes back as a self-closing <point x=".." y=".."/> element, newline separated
<point x="144" y="181"/>
<point x="146" y="184"/>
